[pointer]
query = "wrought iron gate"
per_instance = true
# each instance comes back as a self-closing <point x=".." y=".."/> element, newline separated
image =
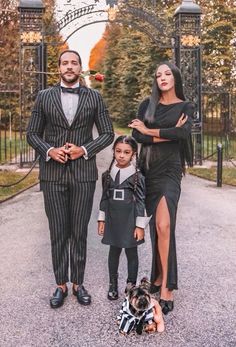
<point x="184" y="40"/>
<point x="219" y="123"/>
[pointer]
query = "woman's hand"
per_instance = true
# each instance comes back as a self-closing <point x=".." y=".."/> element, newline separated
<point x="101" y="228"/>
<point x="138" y="125"/>
<point x="139" y="234"/>
<point x="182" y="120"/>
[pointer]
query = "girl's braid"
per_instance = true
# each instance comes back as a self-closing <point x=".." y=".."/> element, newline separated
<point x="108" y="173"/>
<point x="136" y="173"/>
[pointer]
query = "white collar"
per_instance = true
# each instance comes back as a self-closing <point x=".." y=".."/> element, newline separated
<point x="124" y="172"/>
<point x="74" y="85"/>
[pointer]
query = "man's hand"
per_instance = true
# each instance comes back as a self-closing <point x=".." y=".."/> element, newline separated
<point x="58" y="154"/>
<point x="139" y="234"/>
<point x="73" y="151"/>
<point x="101" y="228"/>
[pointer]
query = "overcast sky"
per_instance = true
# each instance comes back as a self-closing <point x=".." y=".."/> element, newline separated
<point x="84" y="39"/>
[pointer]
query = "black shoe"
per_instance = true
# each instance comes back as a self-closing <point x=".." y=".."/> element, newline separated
<point x="166" y="305"/>
<point x="113" y="288"/>
<point x="58" y="297"/>
<point x="154" y="288"/>
<point x="83" y="297"/>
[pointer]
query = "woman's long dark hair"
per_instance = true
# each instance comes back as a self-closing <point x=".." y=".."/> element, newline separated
<point x="156" y="92"/>
<point x="129" y="140"/>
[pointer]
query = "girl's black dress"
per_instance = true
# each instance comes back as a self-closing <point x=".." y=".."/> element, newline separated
<point x="122" y="208"/>
<point x="162" y="165"/>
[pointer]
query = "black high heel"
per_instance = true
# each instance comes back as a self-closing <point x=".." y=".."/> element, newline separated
<point x="166" y="305"/>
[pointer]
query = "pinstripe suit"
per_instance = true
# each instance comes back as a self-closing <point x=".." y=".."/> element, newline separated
<point x="68" y="188"/>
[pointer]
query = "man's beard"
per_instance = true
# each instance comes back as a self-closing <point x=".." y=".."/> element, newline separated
<point x="72" y="79"/>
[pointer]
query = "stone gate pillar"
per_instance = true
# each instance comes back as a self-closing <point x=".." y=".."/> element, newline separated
<point x="32" y="63"/>
<point x="187" y="49"/>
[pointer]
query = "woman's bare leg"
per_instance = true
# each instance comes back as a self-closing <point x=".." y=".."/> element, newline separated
<point x="158" y="280"/>
<point x="163" y="231"/>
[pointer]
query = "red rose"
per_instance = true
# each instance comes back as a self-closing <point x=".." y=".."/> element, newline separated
<point x="99" y="77"/>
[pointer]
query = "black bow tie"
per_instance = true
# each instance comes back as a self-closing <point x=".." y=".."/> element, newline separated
<point x="70" y="90"/>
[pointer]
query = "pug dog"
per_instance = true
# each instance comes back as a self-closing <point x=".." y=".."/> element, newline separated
<point x="140" y="312"/>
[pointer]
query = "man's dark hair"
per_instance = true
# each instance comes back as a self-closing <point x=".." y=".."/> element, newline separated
<point x="69" y="51"/>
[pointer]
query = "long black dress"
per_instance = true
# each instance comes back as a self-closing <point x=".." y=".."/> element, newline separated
<point x="162" y="165"/>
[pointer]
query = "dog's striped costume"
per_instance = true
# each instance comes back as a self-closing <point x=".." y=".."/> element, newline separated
<point x="128" y="321"/>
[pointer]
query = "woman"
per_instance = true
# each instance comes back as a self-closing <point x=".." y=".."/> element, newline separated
<point x="164" y="129"/>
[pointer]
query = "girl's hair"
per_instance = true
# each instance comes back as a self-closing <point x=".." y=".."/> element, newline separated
<point x="156" y="92"/>
<point x="129" y="140"/>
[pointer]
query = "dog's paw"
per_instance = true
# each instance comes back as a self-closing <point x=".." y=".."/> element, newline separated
<point x="150" y="328"/>
<point x="122" y="332"/>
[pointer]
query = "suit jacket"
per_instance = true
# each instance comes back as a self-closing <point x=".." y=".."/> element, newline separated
<point x="48" y="127"/>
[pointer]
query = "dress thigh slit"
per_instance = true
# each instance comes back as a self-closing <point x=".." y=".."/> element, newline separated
<point x="172" y="259"/>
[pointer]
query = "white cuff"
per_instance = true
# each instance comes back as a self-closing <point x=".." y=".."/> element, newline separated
<point x="101" y="216"/>
<point x="142" y="222"/>
<point x="47" y="156"/>
<point x="86" y="153"/>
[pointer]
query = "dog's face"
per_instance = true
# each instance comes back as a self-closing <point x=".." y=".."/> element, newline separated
<point x="139" y="299"/>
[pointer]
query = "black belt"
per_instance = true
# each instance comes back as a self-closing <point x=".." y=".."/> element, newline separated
<point x="121" y="194"/>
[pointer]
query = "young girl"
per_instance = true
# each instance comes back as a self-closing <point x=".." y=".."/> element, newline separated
<point x="122" y="219"/>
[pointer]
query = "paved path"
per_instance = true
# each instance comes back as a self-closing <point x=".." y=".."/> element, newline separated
<point x="205" y="305"/>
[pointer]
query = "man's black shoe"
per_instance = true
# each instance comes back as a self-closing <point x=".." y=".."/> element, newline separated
<point x="82" y="295"/>
<point x="58" y="297"/>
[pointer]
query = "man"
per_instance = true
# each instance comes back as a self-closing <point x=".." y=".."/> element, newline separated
<point x="60" y="130"/>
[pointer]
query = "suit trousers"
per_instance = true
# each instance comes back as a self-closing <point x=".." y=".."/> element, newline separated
<point x="68" y="207"/>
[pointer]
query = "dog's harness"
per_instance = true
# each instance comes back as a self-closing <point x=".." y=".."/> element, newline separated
<point x="128" y="321"/>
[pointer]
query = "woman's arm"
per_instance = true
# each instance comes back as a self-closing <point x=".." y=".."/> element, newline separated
<point x="145" y="132"/>
<point x="180" y="131"/>
<point x="181" y="121"/>
<point x="139" y="137"/>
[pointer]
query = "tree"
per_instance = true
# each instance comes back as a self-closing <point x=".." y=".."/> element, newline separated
<point x="129" y="59"/>
<point x="54" y="41"/>
<point x="218" y="43"/>
<point x="9" y="57"/>
<point x="9" y="31"/>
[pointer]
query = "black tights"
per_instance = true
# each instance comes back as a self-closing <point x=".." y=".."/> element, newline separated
<point x="132" y="260"/>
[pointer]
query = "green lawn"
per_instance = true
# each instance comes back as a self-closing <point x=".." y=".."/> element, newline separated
<point x="8" y="177"/>
<point x="121" y="130"/>
<point x="210" y="146"/>
<point x="228" y="174"/>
